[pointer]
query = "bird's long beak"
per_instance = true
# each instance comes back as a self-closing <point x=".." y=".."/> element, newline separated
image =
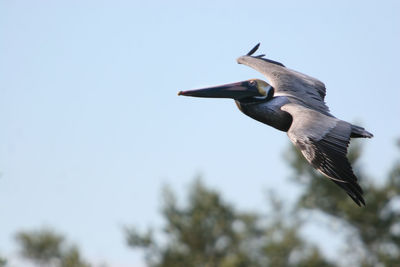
<point x="233" y="90"/>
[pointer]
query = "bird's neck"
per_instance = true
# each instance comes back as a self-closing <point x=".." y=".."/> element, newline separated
<point x="268" y="112"/>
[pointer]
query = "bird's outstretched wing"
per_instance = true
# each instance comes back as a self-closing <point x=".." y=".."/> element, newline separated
<point x="305" y="89"/>
<point x="323" y="141"/>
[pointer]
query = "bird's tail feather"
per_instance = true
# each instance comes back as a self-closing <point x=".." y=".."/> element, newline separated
<point x="359" y="132"/>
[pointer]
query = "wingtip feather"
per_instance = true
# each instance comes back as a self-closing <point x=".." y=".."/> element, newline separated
<point x="253" y="50"/>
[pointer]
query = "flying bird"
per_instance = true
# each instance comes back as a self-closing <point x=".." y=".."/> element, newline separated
<point x="294" y="103"/>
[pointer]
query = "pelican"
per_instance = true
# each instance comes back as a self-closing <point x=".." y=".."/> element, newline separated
<point x="294" y="103"/>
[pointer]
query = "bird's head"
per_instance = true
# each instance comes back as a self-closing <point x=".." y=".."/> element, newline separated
<point x="253" y="88"/>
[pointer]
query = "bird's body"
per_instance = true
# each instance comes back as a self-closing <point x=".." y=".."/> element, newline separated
<point x="294" y="102"/>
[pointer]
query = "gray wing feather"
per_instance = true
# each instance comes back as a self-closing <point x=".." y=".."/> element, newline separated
<point x="323" y="141"/>
<point x="307" y="90"/>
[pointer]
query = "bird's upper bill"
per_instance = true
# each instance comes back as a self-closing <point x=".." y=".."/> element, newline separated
<point x="238" y="90"/>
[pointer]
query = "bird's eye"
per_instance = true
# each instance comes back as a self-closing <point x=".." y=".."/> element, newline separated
<point x="252" y="83"/>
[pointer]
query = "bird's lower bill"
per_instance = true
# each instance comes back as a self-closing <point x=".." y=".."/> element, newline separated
<point x="233" y="90"/>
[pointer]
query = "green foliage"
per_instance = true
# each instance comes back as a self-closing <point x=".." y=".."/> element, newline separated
<point x="375" y="229"/>
<point x="45" y="247"/>
<point x="209" y="232"/>
<point x="72" y="258"/>
<point x="3" y="262"/>
<point x="40" y="246"/>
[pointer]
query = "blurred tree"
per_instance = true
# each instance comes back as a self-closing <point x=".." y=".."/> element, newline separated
<point x="3" y="262"/>
<point x="47" y="248"/>
<point x="374" y="230"/>
<point x="210" y="232"/>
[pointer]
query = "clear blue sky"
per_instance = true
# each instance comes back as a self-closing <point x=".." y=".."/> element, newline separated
<point x="91" y="126"/>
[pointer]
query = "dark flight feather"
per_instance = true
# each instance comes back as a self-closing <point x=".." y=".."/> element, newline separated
<point x="330" y="158"/>
<point x="253" y="50"/>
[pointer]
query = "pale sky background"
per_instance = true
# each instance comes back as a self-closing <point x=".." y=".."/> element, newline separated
<point x="91" y="126"/>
